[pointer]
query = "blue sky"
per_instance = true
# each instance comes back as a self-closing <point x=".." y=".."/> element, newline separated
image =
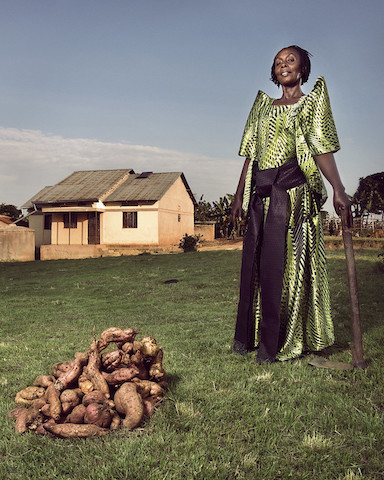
<point x="167" y="85"/>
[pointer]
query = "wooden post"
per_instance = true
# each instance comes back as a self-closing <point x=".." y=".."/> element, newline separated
<point x="357" y="347"/>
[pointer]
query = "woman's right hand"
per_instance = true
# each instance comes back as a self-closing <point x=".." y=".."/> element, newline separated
<point x="237" y="210"/>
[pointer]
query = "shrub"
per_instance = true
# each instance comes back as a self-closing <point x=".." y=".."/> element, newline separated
<point x="189" y="243"/>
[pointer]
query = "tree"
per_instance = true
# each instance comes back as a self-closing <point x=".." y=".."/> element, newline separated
<point x="203" y="211"/>
<point x="9" y="210"/>
<point x="369" y="195"/>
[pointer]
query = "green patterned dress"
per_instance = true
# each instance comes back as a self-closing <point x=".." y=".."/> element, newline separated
<point x="273" y="135"/>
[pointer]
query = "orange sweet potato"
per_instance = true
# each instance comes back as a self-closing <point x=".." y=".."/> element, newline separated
<point x="43" y="381"/>
<point x="52" y="396"/>
<point x="73" y="372"/>
<point x="98" y="414"/>
<point x="147" y="388"/>
<point x="94" y="397"/>
<point x="114" y="334"/>
<point x="93" y="371"/>
<point x="129" y="404"/>
<point x="73" y="430"/>
<point x="77" y="414"/>
<point x="111" y="360"/>
<point x="121" y="375"/>
<point x="26" y="396"/>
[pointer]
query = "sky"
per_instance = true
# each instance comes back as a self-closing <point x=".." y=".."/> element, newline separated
<point x="167" y="85"/>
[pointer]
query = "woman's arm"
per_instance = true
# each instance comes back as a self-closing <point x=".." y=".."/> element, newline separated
<point x="341" y="202"/>
<point x="237" y="210"/>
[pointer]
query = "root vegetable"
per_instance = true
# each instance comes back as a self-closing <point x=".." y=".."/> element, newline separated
<point x="110" y="361"/>
<point x="149" y="405"/>
<point x="94" y="397"/>
<point x="97" y="414"/>
<point x="117" y="335"/>
<point x="43" y="381"/>
<point x="52" y="396"/>
<point x="21" y="420"/>
<point x="156" y="369"/>
<point x="26" y="396"/>
<point x="127" y="347"/>
<point x="129" y="403"/>
<point x="69" y="399"/>
<point x="77" y="414"/>
<point x="84" y="383"/>
<point x="60" y="368"/>
<point x="72" y="430"/>
<point x="73" y="372"/>
<point x="147" y="346"/>
<point x="121" y="375"/>
<point x="93" y="371"/>
<point x="115" y="422"/>
<point x="147" y="388"/>
<point x="138" y="360"/>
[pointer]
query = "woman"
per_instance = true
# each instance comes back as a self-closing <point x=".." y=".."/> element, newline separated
<point x="284" y="294"/>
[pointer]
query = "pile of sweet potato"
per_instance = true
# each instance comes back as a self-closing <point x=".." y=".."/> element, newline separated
<point x="95" y="392"/>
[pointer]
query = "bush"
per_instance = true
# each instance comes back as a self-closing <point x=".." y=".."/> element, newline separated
<point x="189" y="243"/>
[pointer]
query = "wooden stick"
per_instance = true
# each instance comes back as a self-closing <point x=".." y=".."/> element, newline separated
<point x="357" y="347"/>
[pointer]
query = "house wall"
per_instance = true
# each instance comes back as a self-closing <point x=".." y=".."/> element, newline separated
<point x="174" y="203"/>
<point x="17" y="244"/>
<point x="146" y="232"/>
<point x="69" y="236"/>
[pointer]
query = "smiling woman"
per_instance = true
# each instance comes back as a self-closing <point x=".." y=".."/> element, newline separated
<point x="285" y="142"/>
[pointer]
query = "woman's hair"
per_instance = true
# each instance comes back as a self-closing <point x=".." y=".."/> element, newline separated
<point x="305" y="63"/>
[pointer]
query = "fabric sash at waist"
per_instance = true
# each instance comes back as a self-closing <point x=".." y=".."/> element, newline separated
<point x="269" y="237"/>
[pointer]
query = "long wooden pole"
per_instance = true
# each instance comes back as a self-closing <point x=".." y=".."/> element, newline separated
<point x="357" y="347"/>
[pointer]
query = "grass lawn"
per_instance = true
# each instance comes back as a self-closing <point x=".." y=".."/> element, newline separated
<point x="225" y="417"/>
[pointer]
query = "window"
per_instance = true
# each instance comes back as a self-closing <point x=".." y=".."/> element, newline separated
<point x="179" y="217"/>
<point x="47" y="222"/>
<point x="70" y="220"/>
<point x="129" y="219"/>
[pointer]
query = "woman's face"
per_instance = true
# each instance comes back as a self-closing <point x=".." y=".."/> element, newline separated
<point x="288" y="67"/>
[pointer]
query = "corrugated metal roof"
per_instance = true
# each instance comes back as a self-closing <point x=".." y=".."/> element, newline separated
<point x="80" y="186"/>
<point x="151" y="188"/>
<point x="109" y="186"/>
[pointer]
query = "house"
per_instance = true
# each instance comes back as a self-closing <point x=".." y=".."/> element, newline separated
<point x="91" y="212"/>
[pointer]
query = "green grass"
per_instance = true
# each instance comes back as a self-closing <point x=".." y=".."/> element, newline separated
<point x="225" y="417"/>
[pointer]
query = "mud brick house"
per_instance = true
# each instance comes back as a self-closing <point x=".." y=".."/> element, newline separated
<point x="91" y="212"/>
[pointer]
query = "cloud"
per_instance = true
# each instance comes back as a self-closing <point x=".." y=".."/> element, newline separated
<point x="31" y="160"/>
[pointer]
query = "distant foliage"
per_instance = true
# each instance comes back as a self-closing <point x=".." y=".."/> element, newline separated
<point x="9" y="210"/>
<point x="369" y="195"/>
<point x="219" y="212"/>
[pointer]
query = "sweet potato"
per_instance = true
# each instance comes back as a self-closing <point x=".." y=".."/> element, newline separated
<point x="52" y="396"/>
<point x="156" y="369"/>
<point x="26" y="396"/>
<point x="94" y="397"/>
<point x="115" y="422"/>
<point x="147" y="388"/>
<point x="73" y="372"/>
<point x="127" y="347"/>
<point x="72" y="430"/>
<point x="138" y="360"/>
<point x="114" y="334"/>
<point x="69" y="399"/>
<point x="97" y="414"/>
<point x="93" y="371"/>
<point x="43" y="381"/>
<point x="121" y="375"/>
<point x="77" y="414"/>
<point x="60" y="368"/>
<point x="147" y="346"/>
<point x="84" y="383"/>
<point x="111" y="360"/>
<point x="129" y="403"/>
<point x="21" y="420"/>
<point x="149" y="405"/>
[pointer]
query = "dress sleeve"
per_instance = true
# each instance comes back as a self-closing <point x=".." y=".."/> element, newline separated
<point x="248" y="141"/>
<point x="316" y="121"/>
